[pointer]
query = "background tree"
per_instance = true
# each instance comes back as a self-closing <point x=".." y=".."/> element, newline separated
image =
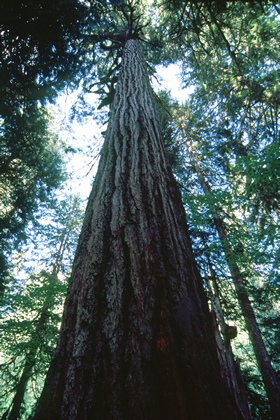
<point x="32" y="309"/>
<point x="32" y="164"/>
<point x="221" y="208"/>
<point x="41" y="51"/>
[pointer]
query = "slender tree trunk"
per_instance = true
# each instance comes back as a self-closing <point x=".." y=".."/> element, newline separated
<point x="14" y="411"/>
<point x="230" y="368"/>
<point x="136" y="340"/>
<point x="268" y="374"/>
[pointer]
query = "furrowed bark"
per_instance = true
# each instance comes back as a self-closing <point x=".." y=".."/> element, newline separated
<point x="136" y="340"/>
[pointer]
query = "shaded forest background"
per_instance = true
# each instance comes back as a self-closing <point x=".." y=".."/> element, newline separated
<point x="222" y="143"/>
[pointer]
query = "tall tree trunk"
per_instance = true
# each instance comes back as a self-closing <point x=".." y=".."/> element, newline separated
<point x="136" y="340"/>
<point x="269" y="377"/>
